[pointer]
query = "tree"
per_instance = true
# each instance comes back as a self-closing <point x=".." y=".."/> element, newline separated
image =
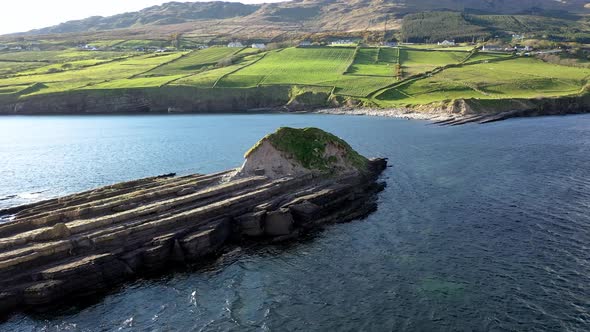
<point x="175" y="39"/>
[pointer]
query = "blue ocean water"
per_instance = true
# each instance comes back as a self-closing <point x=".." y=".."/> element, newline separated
<point x="481" y="227"/>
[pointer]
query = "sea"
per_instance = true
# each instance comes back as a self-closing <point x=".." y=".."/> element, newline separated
<point x="480" y="227"/>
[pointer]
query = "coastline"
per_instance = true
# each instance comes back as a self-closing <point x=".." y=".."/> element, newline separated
<point x="401" y="113"/>
<point x="280" y="99"/>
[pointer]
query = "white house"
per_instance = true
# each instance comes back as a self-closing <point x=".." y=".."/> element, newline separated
<point x="390" y="44"/>
<point x="517" y="37"/>
<point x="235" y="44"/>
<point x="259" y="46"/>
<point x="305" y="43"/>
<point x="492" y="48"/>
<point x="447" y="43"/>
<point x="343" y="42"/>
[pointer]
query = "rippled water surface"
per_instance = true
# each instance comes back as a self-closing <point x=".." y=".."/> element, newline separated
<point x="481" y="227"/>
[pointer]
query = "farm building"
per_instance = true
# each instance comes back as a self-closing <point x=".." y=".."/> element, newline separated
<point x="447" y="43"/>
<point x="259" y="46"/>
<point x="390" y="44"/>
<point x="492" y="48"/>
<point x="517" y="37"/>
<point x="235" y="44"/>
<point x="342" y="42"/>
<point x="305" y="43"/>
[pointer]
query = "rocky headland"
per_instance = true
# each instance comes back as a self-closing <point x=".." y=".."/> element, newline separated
<point x="464" y="111"/>
<point x="72" y="247"/>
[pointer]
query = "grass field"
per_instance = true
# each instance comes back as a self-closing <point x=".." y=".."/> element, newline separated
<point x="371" y="62"/>
<point x="436" y="47"/>
<point x="516" y="78"/>
<point x="312" y="66"/>
<point x="320" y="67"/>
<point x="60" y="56"/>
<point x="9" y="67"/>
<point x="357" y="73"/>
<point x="194" y="61"/>
<point x="415" y="62"/>
<point x="488" y="57"/>
<point x="90" y="76"/>
<point x="208" y="78"/>
<point x="139" y="82"/>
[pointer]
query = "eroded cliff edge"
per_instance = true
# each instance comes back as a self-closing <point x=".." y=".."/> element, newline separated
<point x="292" y="181"/>
<point x="179" y="99"/>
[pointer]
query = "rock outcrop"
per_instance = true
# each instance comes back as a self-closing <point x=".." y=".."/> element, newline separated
<point x="80" y="245"/>
<point x="294" y="152"/>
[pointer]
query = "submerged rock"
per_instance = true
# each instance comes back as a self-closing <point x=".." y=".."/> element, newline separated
<point x="292" y="181"/>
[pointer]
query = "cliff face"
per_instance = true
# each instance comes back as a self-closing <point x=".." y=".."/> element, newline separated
<point x="179" y="99"/>
<point x="157" y="100"/>
<point x="462" y="111"/>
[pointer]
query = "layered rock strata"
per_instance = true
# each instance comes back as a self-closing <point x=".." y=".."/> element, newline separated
<point x="82" y="244"/>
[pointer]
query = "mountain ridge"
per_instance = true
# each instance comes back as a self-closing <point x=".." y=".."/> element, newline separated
<point x="318" y="15"/>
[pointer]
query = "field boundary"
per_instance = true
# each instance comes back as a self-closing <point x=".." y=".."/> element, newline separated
<point x="162" y="65"/>
<point x="72" y="70"/>
<point x="356" y="51"/>
<point x="429" y="73"/>
<point x="238" y="69"/>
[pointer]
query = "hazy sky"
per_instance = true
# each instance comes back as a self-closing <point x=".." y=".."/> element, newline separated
<point x="24" y="15"/>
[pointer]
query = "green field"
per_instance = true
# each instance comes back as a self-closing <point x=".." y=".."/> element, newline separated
<point x="436" y="47"/>
<point x="315" y="66"/>
<point x="10" y="67"/>
<point x="308" y="66"/>
<point x="482" y="57"/>
<point x="194" y="61"/>
<point x="415" y="62"/>
<point x="367" y="73"/>
<point x="375" y="62"/>
<point x="61" y="56"/>
<point x="208" y="78"/>
<point x="516" y="78"/>
<point x="90" y="76"/>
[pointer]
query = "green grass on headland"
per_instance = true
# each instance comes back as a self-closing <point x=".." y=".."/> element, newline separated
<point x="386" y="76"/>
<point x="294" y="66"/>
<point x="515" y="78"/>
<point x="307" y="146"/>
<point x="415" y="62"/>
<point x="194" y="61"/>
<point x="375" y="62"/>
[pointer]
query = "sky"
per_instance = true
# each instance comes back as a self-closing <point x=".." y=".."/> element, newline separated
<point x="25" y="15"/>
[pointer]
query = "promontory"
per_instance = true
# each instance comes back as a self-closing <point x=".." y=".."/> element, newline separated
<point x="292" y="181"/>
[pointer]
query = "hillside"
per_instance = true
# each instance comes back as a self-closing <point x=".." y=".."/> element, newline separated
<point x="419" y="77"/>
<point x="166" y="14"/>
<point x="149" y="65"/>
<point x="212" y="20"/>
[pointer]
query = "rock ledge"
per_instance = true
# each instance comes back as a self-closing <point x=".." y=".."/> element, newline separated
<point x="293" y="181"/>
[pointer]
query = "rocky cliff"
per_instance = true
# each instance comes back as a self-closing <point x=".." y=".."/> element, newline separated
<point x="181" y="99"/>
<point x="462" y="111"/>
<point x="80" y="245"/>
<point x="176" y="99"/>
